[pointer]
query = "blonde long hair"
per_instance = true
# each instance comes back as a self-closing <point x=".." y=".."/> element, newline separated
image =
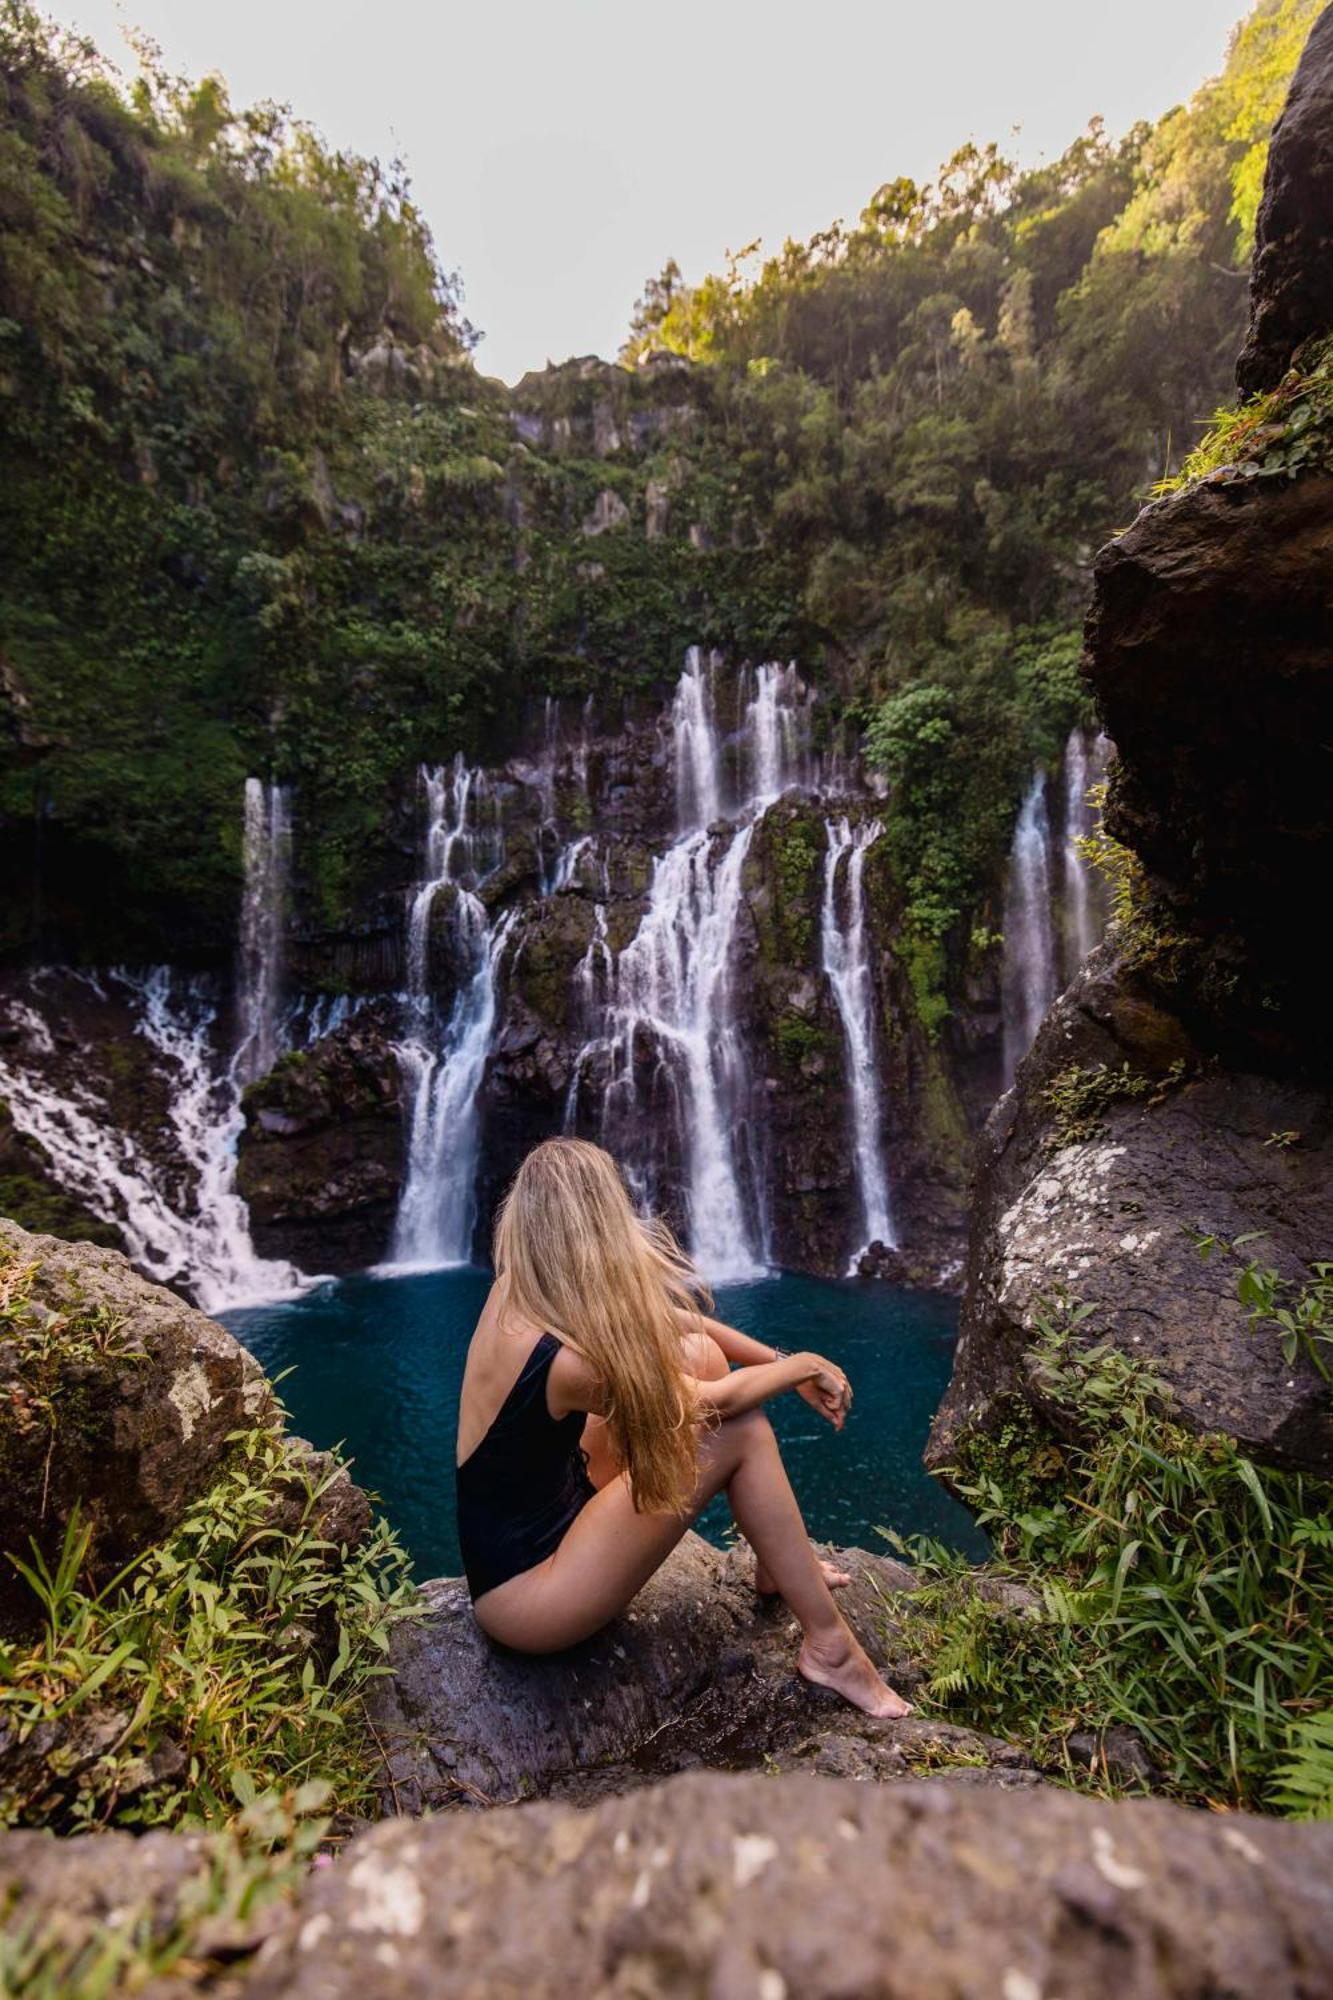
<point x="575" y="1258"/>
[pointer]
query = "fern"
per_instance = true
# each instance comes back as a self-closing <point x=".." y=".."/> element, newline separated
<point x="1304" y="1778"/>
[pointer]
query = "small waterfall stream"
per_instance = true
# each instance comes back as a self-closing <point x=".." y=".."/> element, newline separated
<point x="175" y="1205"/>
<point x="1054" y="909"/>
<point x="443" y="1057"/>
<point x="1029" y="971"/>
<point x="846" y="960"/>
<point x="1086" y="758"/>
<point x="267" y="856"/>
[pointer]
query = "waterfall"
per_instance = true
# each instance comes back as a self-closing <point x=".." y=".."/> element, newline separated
<point x="663" y="1014"/>
<point x="443" y="1057"/>
<point x="1028" y="976"/>
<point x="697" y="750"/>
<point x="267" y="854"/>
<point x="1084" y="913"/>
<point x="177" y="1209"/>
<point x="846" y="960"/>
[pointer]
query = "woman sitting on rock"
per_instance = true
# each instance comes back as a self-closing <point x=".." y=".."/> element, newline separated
<point x="599" y="1416"/>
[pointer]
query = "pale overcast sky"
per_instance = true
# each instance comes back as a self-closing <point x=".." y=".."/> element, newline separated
<point x="562" y="150"/>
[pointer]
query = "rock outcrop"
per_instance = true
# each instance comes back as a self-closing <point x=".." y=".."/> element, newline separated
<point x="323" y="1159"/>
<point x="727" y="1885"/>
<point x="1121" y="1142"/>
<point x="697" y="1671"/>
<point x="117" y="1397"/>
<point x="1182" y="1084"/>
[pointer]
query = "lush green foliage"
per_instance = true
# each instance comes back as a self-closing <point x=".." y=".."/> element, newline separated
<point x="86" y="1955"/>
<point x="1155" y="1578"/>
<point x="243" y="1642"/>
<point x="1276" y="435"/>
<point x="259" y="512"/>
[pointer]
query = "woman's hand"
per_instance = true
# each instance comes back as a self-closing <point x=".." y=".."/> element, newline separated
<point x="826" y="1389"/>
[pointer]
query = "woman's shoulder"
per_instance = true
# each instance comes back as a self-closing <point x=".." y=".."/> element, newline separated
<point x="573" y="1385"/>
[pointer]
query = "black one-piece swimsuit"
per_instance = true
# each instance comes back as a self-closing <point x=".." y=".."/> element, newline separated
<point x="523" y="1485"/>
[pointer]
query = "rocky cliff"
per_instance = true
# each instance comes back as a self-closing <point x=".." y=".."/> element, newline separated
<point x="1181" y="1086"/>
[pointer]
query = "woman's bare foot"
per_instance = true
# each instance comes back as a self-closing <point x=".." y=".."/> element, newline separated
<point x="847" y="1668"/>
<point x="835" y="1578"/>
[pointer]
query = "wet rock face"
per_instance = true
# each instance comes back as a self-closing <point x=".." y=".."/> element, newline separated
<point x="1291" y="285"/>
<point x="1098" y="1192"/>
<point x="1209" y="645"/>
<point x="128" y="1419"/>
<point x="728" y="1885"/>
<point x="697" y="1671"/>
<point x="321" y="1161"/>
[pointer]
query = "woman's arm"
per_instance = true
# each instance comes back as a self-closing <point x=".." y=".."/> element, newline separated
<point x="732" y="1395"/>
<point x="739" y="1348"/>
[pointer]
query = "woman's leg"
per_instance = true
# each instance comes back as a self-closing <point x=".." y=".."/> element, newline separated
<point x="706" y="1361"/>
<point x="610" y="1551"/>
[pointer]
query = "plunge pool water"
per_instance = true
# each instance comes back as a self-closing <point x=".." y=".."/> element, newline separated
<point x="378" y="1363"/>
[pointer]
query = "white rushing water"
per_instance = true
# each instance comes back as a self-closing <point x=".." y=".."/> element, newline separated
<point x="1029" y="968"/>
<point x="846" y="960"/>
<point x="1086" y="758"/>
<point x="267" y="857"/>
<point x="664" y="1013"/>
<point x="1055" y="908"/>
<point x="175" y="1205"/>
<point x="443" y="1055"/>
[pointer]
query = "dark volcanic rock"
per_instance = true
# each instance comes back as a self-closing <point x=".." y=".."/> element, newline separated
<point x="697" y="1671"/>
<point x="128" y="1421"/>
<point x="1109" y="1216"/>
<point x="321" y="1157"/>
<point x="1210" y="650"/>
<point x="1291" y="284"/>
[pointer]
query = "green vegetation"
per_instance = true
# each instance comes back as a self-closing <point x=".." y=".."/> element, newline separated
<point x="1148" y="1577"/>
<point x="1277" y="435"/>
<point x="1082" y="1094"/>
<point x="194" y="1932"/>
<point x="260" y="513"/>
<point x="224" y="1666"/>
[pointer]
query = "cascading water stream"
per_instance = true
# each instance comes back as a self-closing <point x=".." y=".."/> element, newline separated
<point x="1054" y="909"/>
<point x="1084" y="914"/>
<point x="1028" y="975"/>
<point x="176" y="1206"/>
<point x="846" y="960"/>
<point x="665" y="1012"/>
<point x="267" y="856"/>
<point x="443" y="1059"/>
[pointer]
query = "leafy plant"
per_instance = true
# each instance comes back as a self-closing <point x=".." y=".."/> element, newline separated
<point x="1300" y="1310"/>
<point x="225" y="1664"/>
<point x="1150" y="1577"/>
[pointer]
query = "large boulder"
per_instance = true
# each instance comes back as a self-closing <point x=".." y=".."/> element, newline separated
<point x="115" y="1395"/>
<point x="1291" y="284"/>
<point x="1119" y="1144"/>
<point x="716" y="1885"/>
<point x="697" y="1671"/>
